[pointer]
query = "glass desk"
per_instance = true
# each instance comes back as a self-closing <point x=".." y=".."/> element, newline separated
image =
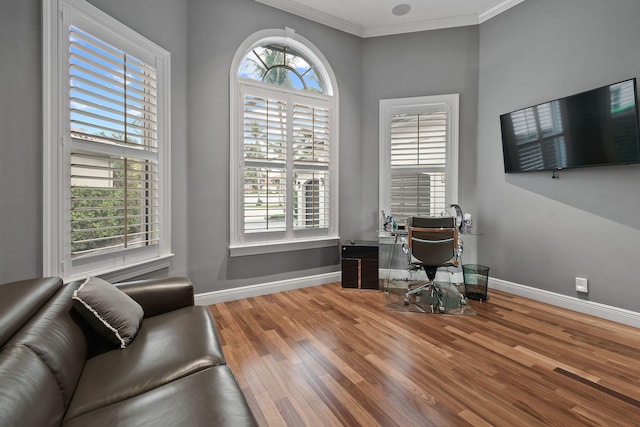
<point x="398" y="274"/>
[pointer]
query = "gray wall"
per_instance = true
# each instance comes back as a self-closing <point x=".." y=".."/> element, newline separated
<point x="418" y="64"/>
<point x="367" y="70"/>
<point x="540" y="231"/>
<point x="21" y="140"/>
<point x="216" y="30"/>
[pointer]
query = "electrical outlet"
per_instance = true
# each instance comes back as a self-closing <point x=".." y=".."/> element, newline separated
<point x="582" y="285"/>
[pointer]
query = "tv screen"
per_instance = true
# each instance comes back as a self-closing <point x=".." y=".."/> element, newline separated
<point x="594" y="128"/>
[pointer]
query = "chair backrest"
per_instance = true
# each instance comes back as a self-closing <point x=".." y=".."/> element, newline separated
<point x="434" y="240"/>
<point x="432" y="222"/>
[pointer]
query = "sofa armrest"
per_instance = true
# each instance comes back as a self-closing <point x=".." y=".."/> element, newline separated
<point x="157" y="296"/>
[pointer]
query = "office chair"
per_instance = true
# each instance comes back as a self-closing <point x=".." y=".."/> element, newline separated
<point x="433" y="243"/>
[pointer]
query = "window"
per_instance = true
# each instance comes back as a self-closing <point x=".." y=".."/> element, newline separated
<point x="105" y="147"/>
<point x="284" y="146"/>
<point x="418" y="156"/>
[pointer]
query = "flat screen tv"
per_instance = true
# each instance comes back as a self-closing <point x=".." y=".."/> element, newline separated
<point x="593" y="128"/>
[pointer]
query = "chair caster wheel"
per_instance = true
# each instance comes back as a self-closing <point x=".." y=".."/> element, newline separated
<point x="406" y="301"/>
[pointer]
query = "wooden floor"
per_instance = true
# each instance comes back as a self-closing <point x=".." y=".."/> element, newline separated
<point x="327" y="356"/>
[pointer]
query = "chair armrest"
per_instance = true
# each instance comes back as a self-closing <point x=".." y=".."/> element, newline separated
<point x="157" y="296"/>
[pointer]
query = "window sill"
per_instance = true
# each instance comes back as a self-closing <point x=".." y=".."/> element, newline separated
<point x="275" y="247"/>
<point x="127" y="272"/>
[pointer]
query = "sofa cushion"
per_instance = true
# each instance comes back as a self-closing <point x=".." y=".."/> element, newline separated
<point x="109" y="311"/>
<point x="158" y="296"/>
<point x="57" y="339"/>
<point x="21" y="300"/>
<point x="29" y="393"/>
<point x="210" y="397"/>
<point x="168" y="346"/>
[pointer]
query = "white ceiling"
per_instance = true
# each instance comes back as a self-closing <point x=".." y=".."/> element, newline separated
<point x="371" y="18"/>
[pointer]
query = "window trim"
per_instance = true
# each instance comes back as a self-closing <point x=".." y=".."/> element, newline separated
<point x="237" y="245"/>
<point x="125" y="263"/>
<point x="417" y="104"/>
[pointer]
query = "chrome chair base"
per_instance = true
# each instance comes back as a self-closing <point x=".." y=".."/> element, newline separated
<point x="438" y="299"/>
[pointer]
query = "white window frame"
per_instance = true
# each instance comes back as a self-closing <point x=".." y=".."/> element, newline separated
<point x="239" y="244"/>
<point x="121" y="264"/>
<point x="388" y="107"/>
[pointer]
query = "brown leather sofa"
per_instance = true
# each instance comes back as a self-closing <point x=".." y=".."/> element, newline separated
<point x="53" y="371"/>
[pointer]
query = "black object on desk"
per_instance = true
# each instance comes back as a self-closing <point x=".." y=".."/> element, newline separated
<point x="360" y="264"/>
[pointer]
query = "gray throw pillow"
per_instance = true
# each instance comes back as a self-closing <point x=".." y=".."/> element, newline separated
<point x="113" y="314"/>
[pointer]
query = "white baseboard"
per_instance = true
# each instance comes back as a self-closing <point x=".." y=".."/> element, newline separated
<point x="249" y="291"/>
<point x="615" y="314"/>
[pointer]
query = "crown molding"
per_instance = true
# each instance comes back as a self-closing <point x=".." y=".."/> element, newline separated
<point x="329" y="20"/>
<point x="426" y="25"/>
<point x="316" y="16"/>
<point x="485" y="15"/>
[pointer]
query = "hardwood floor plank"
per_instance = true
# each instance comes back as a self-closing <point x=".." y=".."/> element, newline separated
<point x="328" y="356"/>
<point x="303" y="394"/>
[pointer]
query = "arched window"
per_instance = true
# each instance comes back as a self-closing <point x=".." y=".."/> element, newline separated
<point x="281" y="65"/>
<point x="284" y="145"/>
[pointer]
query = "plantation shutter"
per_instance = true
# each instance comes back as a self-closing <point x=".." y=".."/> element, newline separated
<point x="265" y="151"/>
<point x="114" y="184"/>
<point x="311" y="166"/>
<point x="285" y="161"/>
<point x="418" y="164"/>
